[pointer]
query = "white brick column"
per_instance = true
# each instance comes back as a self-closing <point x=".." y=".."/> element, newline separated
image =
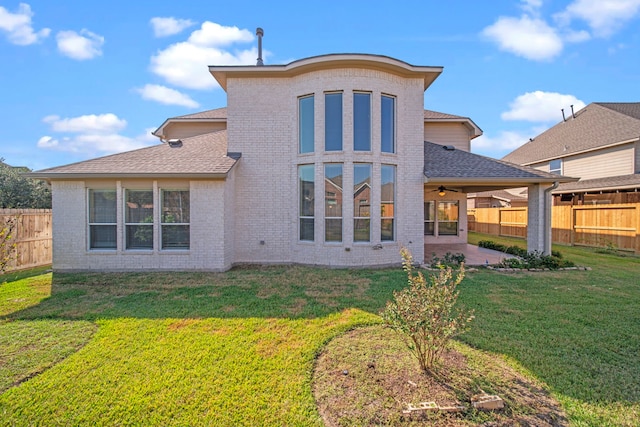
<point x="539" y="219"/>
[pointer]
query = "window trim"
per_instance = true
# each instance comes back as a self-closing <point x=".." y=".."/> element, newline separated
<point x="300" y="123"/>
<point x="394" y="203"/>
<point x="90" y="224"/>
<point x="356" y="217"/>
<point x="557" y="170"/>
<point x="393" y="123"/>
<point x="169" y="224"/>
<point x="341" y="119"/>
<point x="326" y="202"/>
<point x="355" y="122"/>
<point x="126" y="224"/>
<point x="300" y="202"/>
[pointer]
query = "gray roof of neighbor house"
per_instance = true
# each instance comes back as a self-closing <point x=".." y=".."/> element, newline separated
<point x="500" y="194"/>
<point x="447" y="166"/>
<point x="612" y="183"/>
<point x="596" y="126"/>
<point x="198" y="156"/>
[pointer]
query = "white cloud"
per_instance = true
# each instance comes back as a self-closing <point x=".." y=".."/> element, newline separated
<point x="500" y="144"/>
<point x="531" y="6"/>
<point x="80" y="46"/>
<point x="541" y="107"/>
<point x="163" y="27"/>
<point x="90" y="123"/>
<point x="91" y="135"/>
<point x="604" y="17"/>
<point x="167" y="96"/>
<point x="18" y="26"/>
<point x="531" y="38"/>
<point x="47" y="142"/>
<point x="184" y="64"/>
<point x="212" y="34"/>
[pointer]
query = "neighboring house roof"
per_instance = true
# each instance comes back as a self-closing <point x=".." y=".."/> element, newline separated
<point x="327" y="62"/>
<point x="198" y="156"/>
<point x="498" y="194"/>
<point x="215" y="115"/>
<point x="447" y="166"/>
<point x="437" y="117"/>
<point x="612" y="183"/>
<point x="596" y="126"/>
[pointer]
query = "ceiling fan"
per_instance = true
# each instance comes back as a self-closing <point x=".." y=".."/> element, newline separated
<point x="442" y="190"/>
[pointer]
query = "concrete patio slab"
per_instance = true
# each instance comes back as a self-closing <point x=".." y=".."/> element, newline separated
<point x="474" y="255"/>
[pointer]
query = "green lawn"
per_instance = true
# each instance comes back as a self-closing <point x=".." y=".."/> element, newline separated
<point x="238" y="348"/>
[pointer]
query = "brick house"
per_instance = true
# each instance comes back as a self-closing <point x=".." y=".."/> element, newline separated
<point x="322" y="161"/>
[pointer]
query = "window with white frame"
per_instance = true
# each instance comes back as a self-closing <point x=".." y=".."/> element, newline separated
<point x="387" y="204"/>
<point x="306" y="130"/>
<point x="555" y="166"/>
<point x="448" y="214"/>
<point x="102" y="219"/>
<point x="361" y="121"/>
<point x="138" y="219"/>
<point x="333" y="202"/>
<point x="362" y="202"/>
<point x="388" y="124"/>
<point x="175" y="219"/>
<point x="430" y="218"/>
<point x="306" y="189"/>
<point x="333" y="121"/>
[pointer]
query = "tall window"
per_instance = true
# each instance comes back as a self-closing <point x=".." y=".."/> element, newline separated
<point x="138" y="217"/>
<point x="388" y="124"/>
<point x="306" y="188"/>
<point x="429" y="218"/>
<point x="305" y="124"/>
<point x="362" y="121"/>
<point x="448" y="218"/>
<point x="175" y="219"/>
<point x="333" y="121"/>
<point x="555" y="166"/>
<point x="361" y="202"/>
<point x="102" y="219"/>
<point x="387" y="206"/>
<point x="333" y="202"/>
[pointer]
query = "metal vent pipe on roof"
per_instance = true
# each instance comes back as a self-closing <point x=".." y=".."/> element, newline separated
<point x="259" y="33"/>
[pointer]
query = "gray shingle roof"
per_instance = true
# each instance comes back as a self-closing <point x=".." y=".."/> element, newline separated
<point x="631" y="109"/>
<point x="501" y="194"/>
<point x="202" y="155"/>
<point x="597" y="125"/>
<point x="622" y="182"/>
<point x="441" y="164"/>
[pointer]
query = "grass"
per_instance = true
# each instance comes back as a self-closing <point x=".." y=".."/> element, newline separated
<point x="238" y="348"/>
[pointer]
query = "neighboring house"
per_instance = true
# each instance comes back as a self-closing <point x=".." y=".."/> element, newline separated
<point x="512" y="198"/>
<point x="322" y="161"/>
<point x="600" y="144"/>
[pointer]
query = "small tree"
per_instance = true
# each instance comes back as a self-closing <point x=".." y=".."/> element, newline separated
<point x="7" y="245"/>
<point x="425" y="313"/>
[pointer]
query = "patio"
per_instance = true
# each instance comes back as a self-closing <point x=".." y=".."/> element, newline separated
<point x="474" y="255"/>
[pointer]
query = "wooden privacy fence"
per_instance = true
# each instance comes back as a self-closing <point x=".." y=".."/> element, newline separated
<point x="32" y="237"/>
<point x="612" y="226"/>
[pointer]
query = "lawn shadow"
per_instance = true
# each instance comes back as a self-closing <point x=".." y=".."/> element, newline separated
<point x="269" y="292"/>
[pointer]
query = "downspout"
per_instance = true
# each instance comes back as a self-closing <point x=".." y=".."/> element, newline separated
<point x="547" y="217"/>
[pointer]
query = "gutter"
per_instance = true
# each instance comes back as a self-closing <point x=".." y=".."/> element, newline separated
<point x="547" y="217"/>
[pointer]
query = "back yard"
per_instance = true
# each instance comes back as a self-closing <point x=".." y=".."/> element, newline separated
<point x="238" y="348"/>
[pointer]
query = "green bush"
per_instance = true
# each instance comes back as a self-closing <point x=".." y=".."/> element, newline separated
<point x="448" y="260"/>
<point x="425" y="313"/>
<point x="527" y="259"/>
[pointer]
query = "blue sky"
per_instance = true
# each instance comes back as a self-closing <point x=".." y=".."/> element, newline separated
<point x="82" y="79"/>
